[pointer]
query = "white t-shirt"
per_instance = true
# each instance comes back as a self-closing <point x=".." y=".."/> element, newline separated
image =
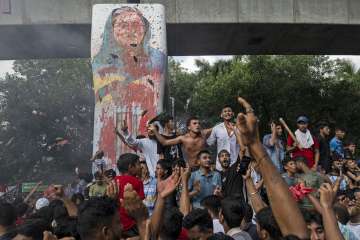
<point x="220" y="136"/>
<point x="355" y="228"/>
<point x="149" y="149"/>
<point x="217" y="226"/>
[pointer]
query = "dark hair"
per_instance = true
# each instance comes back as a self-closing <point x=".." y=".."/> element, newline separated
<point x="348" y="155"/>
<point x="21" y="209"/>
<point x="342" y="214"/>
<point x="100" y="154"/>
<point x="166" y="119"/>
<point x="339" y="128"/>
<point x="44" y="213"/>
<point x="172" y="224"/>
<point x="226" y="106"/>
<point x="200" y="218"/>
<point x="7" y="214"/>
<point x="266" y="220"/>
<point x="188" y="121"/>
<point x="233" y="210"/>
<point x="312" y="217"/>
<point x="220" y="236"/>
<point x="126" y="160"/>
<point x="286" y="160"/>
<point x="212" y="203"/>
<point x="97" y="175"/>
<point x="202" y="152"/>
<point x="166" y="166"/>
<point x="248" y="212"/>
<point x="223" y="151"/>
<point x="300" y="159"/>
<point x="276" y="122"/>
<point x="58" y="210"/>
<point x="179" y="163"/>
<point x="349" y="142"/>
<point x="322" y="125"/>
<point x="95" y="214"/>
<point x="340" y="193"/>
<point x="110" y="173"/>
<point x="33" y="229"/>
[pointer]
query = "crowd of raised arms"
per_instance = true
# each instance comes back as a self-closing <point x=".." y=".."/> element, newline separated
<point x="169" y="187"/>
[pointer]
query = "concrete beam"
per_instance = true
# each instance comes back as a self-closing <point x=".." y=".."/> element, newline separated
<point x="61" y="28"/>
<point x="192" y="11"/>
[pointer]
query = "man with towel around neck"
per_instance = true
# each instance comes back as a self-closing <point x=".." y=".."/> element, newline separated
<point x="306" y="145"/>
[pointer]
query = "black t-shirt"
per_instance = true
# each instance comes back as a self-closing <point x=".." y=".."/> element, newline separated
<point x="324" y="150"/>
<point x="170" y="153"/>
<point x="232" y="182"/>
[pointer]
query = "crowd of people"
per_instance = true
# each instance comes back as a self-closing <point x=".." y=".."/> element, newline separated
<point x="171" y="187"/>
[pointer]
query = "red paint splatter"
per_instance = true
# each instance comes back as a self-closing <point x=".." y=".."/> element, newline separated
<point x="107" y="136"/>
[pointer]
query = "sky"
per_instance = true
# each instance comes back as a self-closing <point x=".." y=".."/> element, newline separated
<point x="186" y="62"/>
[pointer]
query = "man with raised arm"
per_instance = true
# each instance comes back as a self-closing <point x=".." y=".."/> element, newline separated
<point x="306" y="145"/>
<point x="193" y="141"/>
<point x="284" y="207"/>
<point x="148" y="146"/>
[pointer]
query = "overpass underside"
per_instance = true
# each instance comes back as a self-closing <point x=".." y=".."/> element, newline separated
<point x="73" y="40"/>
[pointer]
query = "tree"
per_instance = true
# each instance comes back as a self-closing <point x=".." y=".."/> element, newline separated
<point x="47" y="119"/>
<point x="278" y="86"/>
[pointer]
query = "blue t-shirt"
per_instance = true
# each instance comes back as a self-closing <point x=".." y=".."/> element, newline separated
<point x="208" y="183"/>
<point x="336" y="146"/>
<point x="276" y="152"/>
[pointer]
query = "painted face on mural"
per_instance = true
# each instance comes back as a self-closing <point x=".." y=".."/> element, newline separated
<point x="129" y="29"/>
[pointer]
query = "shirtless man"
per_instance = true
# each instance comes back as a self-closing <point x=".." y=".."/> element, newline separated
<point x="193" y="142"/>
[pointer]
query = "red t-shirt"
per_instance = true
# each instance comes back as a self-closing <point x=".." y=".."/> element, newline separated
<point x="308" y="153"/>
<point x="183" y="235"/>
<point x="126" y="221"/>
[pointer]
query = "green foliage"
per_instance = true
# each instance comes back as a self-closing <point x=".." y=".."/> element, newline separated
<point x="42" y="101"/>
<point x="277" y="86"/>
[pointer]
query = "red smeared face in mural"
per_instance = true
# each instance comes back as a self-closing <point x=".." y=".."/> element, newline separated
<point x="129" y="29"/>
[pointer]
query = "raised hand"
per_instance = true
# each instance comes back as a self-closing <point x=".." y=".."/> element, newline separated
<point x="112" y="190"/>
<point x="124" y="126"/>
<point x="197" y="186"/>
<point x="168" y="186"/>
<point x="217" y="191"/>
<point x="247" y="124"/>
<point x="185" y="174"/>
<point x="273" y="127"/>
<point x="327" y="196"/>
<point x="133" y="205"/>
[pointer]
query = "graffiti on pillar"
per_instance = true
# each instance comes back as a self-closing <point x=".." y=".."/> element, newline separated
<point x="129" y="61"/>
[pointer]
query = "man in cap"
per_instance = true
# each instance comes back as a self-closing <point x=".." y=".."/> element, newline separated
<point x="306" y="145"/>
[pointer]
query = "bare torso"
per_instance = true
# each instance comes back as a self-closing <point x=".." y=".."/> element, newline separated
<point x="192" y="145"/>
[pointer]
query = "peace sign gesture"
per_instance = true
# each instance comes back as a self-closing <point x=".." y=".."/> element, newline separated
<point x="247" y="124"/>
